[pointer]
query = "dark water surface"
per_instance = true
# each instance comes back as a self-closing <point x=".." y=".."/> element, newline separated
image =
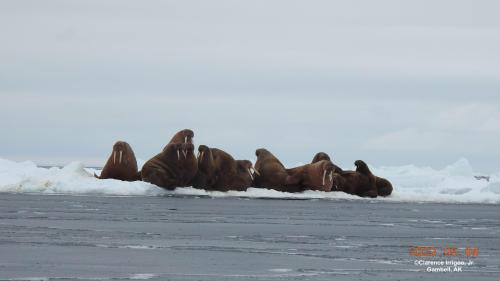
<point x="61" y="237"/>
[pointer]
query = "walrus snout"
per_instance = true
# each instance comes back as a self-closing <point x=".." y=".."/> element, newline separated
<point x="248" y="166"/>
<point x="187" y="147"/>
<point x="188" y="135"/>
<point x="328" y="171"/>
<point x="201" y="151"/>
<point x="118" y="148"/>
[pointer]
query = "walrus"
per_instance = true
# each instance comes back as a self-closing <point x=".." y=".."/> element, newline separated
<point x="323" y="156"/>
<point x="271" y="172"/>
<point x="218" y="170"/>
<point x="171" y="168"/>
<point x="205" y="176"/>
<point x="246" y="173"/>
<point x="121" y="164"/>
<point x="384" y="187"/>
<point x="360" y="182"/>
<point x="231" y="174"/>
<point x="315" y="176"/>
<point x="242" y="179"/>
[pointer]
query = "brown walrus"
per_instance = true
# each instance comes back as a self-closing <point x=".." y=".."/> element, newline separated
<point x="171" y="168"/>
<point x="384" y="187"/>
<point x="217" y="170"/>
<point x="205" y="176"/>
<point x="238" y="177"/>
<point x="225" y="172"/>
<point x="121" y="165"/>
<point x="315" y="176"/>
<point x="360" y="182"/>
<point x="271" y="172"/>
<point x="323" y="156"/>
<point x="246" y="174"/>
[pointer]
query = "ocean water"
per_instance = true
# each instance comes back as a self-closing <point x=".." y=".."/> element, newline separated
<point x="455" y="183"/>
<point x="192" y="238"/>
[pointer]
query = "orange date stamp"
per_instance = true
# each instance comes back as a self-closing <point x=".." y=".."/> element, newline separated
<point x="448" y="251"/>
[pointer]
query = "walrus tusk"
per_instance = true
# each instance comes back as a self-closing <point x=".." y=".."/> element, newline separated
<point x="250" y="173"/>
<point x="198" y="155"/>
<point x="330" y="176"/>
<point x="185" y="153"/>
<point x="324" y="176"/>
<point x="114" y="157"/>
<point x="178" y="155"/>
<point x="255" y="171"/>
<point x="185" y="139"/>
<point x="121" y="154"/>
<point x="202" y="153"/>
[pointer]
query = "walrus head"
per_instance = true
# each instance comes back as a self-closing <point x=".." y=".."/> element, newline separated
<point x="320" y="156"/>
<point x="205" y="159"/>
<point x="328" y="171"/>
<point x="184" y="136"/>
<point x="247" y="166"/>
<point x="122" y="152"/>
<point x="261" y="151"/>
<point x="203" y="151"/>
<point x="362" y="168"/>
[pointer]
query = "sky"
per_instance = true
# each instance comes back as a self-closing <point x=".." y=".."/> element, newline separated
<point x="389" y="82"/>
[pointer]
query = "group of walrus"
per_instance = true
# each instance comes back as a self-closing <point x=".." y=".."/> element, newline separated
<point x="214" y="169"/>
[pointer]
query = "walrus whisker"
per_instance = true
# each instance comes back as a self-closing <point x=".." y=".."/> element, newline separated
<point x="114" y="157"/>
<point x="178" y="155"/>
<point x="121" y="154"/>
<point x="324" y="176"/>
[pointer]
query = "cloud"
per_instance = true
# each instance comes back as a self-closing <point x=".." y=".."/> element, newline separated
<point x="491" y="125"/>
<point x="471" y="117"/>
<point x="408" y="139"/>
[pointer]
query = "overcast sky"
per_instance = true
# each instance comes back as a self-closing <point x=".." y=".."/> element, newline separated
<point x="391" y="82"/>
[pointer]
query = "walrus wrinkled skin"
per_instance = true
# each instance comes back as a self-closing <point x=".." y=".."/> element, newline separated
<point x="121" y="165"/>
<point x="323" y="156"/>
<point x="174" y="167"/>
<point x="271" y="172"/>
<point x="218" y="170"/>
<point x="360" y="182"/>
<point x="315" y="176"/>
<point x="384" y="187"/>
